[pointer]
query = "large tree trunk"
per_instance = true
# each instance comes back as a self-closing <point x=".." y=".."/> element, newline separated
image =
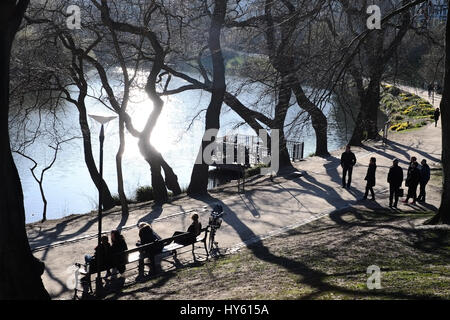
<point x="199" y="176"/>
<point x="19" y="278"/>
<point x="151" y="155"/>
<point x="366" y="125"/>
<point x="443" y="214"/>
<point x="318" y="119"/>
<point x="284" y="97"/>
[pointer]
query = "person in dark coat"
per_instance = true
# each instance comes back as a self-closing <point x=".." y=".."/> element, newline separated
<point x="370" y="178"/>
<point x="430" y="89"/>
<point x="348" y="160"/>
<point x="395" y="180"/>
<point x="437" y="113"/>
<point x="424" y="178"/>
<point x="192" y="232"/>
<point x="101" y="258"/>
<point x="412" y="181"/>
<point x="118" y="245"/>
<point x="147" y="236"/>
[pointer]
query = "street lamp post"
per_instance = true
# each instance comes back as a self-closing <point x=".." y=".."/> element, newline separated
<point x="102" y="120"/>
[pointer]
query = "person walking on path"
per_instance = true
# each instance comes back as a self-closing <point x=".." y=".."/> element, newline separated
<point x="437" y="113"/>
<point x="424" y="178"/>
<point x="395" y="180"/>
<point x="370" y="178"/>
<point x="430" y="90"/>
<point x="348" y="160"/>
<point x="412" y="181"/>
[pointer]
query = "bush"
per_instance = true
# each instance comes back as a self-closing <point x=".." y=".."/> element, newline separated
<point x="144" y="193"/>
<point x="394" y="91"/>
<point x="400" y="126"/>
<point x="116" y="200"/>
<point x="398" y="117"/>
<point x="418" y="110"/>
<point x="253" y="171"/>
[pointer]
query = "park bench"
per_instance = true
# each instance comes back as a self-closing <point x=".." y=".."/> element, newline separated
<point x="163" y="247"/>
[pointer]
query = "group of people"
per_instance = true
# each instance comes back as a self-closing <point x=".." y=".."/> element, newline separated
<point x="417" y="175"/>
<point x="108" y="254"/>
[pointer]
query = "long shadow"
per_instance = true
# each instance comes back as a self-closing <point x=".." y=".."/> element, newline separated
<point x="390" y="156"/>
<point x="123" y="221"/>
<point x="152" y="215"/>
<point x="245" y="198"/>
<point x="314" y="278"/>
<point x="331" y="169"/>
<point x="398" y="146"/>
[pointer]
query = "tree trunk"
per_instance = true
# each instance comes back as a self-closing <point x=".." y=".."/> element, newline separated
<point x="199" y="176"/>
<point x="122" y="196"/>
<point x="108" y="201"/>
<point x="443" y="214"/>
<point x="19" y="278"/>
<point x="44" y="200"/>
<point x="318" y="119"/>
<point x="284" y="98"/>
<point x="366" y="125"/>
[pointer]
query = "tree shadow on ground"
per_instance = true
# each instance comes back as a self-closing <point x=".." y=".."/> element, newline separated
<point x="311" y="277"/>
<point x="152" y="215"/>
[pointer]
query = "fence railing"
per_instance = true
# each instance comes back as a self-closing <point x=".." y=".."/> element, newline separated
<point x="250" y="149"/>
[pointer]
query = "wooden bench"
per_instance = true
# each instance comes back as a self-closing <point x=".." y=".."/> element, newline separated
<point x="162" y="247"/>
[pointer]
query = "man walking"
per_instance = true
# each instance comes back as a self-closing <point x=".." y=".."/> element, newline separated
<point x="424" y="178"/>
<point x="395" y="179"/>
<point x="437" y="113"/>
<point x="348" y="160"/>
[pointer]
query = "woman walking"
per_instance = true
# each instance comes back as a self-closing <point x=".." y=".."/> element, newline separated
<point x="370" y="178"/>
<point x="412" y="181"/>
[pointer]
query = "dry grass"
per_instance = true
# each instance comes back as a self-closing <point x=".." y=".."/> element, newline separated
<point x="326" y="259"/>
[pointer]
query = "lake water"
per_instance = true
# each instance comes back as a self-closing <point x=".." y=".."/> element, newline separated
<point x="68" y="186"/>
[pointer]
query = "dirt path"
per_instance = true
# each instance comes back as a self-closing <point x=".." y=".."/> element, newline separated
<point x="266" y="209"/>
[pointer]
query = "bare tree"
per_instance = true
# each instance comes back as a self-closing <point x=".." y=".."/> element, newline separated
<point x="199" y="176"/>
<point x="19" y="277"/>
<point x="40" y="179"/>
<point x="65" y="72"/>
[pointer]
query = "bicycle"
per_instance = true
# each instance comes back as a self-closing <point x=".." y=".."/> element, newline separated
<point x="215" y="221"/>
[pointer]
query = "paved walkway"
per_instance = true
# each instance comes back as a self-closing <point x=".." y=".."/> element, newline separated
<point x="266" y="209"/>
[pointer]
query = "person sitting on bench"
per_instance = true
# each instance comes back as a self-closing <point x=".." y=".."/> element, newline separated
<point x="118" y="245"/>
<point x="103" y="255"/>
<point x="192" y="232"/>
<point x="147" y="236"/>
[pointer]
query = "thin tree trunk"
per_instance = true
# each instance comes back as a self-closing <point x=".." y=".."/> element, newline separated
<point x="199" y="176"/>
<point x="119" y="155"/>
<point x="19" y="278"/>
<point x="44" y="200"/>
<point x="108" y="201"/>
